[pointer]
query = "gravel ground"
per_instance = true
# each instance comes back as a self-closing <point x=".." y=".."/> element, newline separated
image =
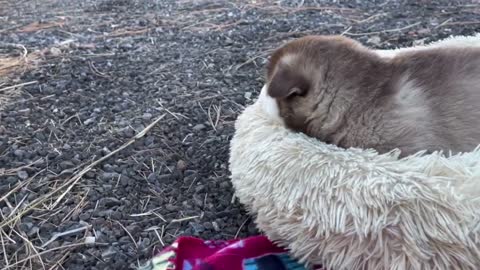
<point x="78" y="80"/>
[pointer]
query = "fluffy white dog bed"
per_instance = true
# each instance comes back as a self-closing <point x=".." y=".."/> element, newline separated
<point x="355" y="209"/>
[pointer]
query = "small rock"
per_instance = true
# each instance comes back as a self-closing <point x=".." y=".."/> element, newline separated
<point x="109" y="202"/>
<point x="199" y="188"/>
<point x="22" y="175"/>
<point x="4" y="188"/>
<point x="198" y="201"/>
<point x="190" y="172"/>
<point x="197" y="228"/>
<point x="215" y="226"/>
<point x="110" y="175"/>
<point x="6" y="211"/>
<point x="147" y="116"/>
<point x="55" y="51"/>
<point x="33" y="231"/>
<point x="10" y="180"/>
<point x="89" y="240"/>
<point x="199" y="127"/>
<point x="164" y="178"/>
<point x="124" y="180"/>
<point x="104" y="213"/>
<point x="239" y="99"/>
<point x="424" y="31"/>
<point x="128" y="132"/>
<point x="106" y="151"/>
<point x="116" y="215"/>
<point x="19" y="153"/>
<point x="144" y="242"/>
<point x="419" y="42"/>
<point x="248" y="95"/>
<point x="89" y="121"/>
<point x="84" y="216"/>
<point x="225" y="184"/>
<point x="152" y="177"/>
<point x="54" y="244"/>
<point x="108" y="167"/>
<point x="133" y="229"/>
<point x="181" y="165"/>
<point x="149" y="141"/>
<point x="66" y="164"/>
<point x="375" y="40"/>
<point x="208" y="225"/>
<point x="171" y="207"/>
<point x="109" y="253"/>
<point x="26" y="226"/>
<point x="124" y="240"/>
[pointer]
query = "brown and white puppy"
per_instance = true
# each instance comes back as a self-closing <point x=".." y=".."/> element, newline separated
<point x="334" y="89"/>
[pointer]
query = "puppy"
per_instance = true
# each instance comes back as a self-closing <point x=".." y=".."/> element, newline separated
<point x="334" y="89"/>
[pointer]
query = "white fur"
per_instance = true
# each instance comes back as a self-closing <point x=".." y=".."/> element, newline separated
<point x="269" y="105"/>
<point x="355" y="209"/>
<point x="288" y="59"/>
<point x="462" y="41"/>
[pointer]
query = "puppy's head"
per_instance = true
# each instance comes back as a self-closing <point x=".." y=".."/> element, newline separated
<point x="308" y="76"/>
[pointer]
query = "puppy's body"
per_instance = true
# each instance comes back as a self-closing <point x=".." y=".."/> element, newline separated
<point x="338" y="91"/>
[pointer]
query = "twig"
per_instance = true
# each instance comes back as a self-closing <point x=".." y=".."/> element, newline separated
<point x="29" y="243"/>
<point x="3" y="248"/>
<point x="20" y="185"/>
<point x="96" y="71"/>
<point x="17" y="206"/>
<point x="384" y="31"/>
<point x="160" y="236"/>
<point x="374" y="16"/>
<point x="214" y="126"/>
<point x="36" y="26"/>
<point x="346" y="31"/>
<point x="171" y="113"/>
<point x="68" y="119"/>
<point x="240" y="228"/>
<point x="122" y="32"/>
<point x="57" y="235"/>
<point x="252" y="59"/>
<point x="59" y="262"/>
<point x="159" y="216"/>
<point x="462" y="23"/>
<point x="129" y="234"/>
<point x="17" y="85"/>
<point x="183" y="219"/>
<point x="300" y="9"/>
<point x="443" y="23"/>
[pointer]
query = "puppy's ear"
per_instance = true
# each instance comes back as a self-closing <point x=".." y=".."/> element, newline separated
<point x="286" y="82"/>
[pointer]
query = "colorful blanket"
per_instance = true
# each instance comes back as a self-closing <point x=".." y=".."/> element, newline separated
<point x="253" y="253"/>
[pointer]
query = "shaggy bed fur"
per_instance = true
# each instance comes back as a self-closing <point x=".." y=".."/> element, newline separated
<point x="355" y="209"/>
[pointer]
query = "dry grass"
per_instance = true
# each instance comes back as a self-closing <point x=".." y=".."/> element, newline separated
<point x="15" y="59"/>
<point x="50" y="202"/>
<point x="37" y="26"/>
<point x="12" y="65"/>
